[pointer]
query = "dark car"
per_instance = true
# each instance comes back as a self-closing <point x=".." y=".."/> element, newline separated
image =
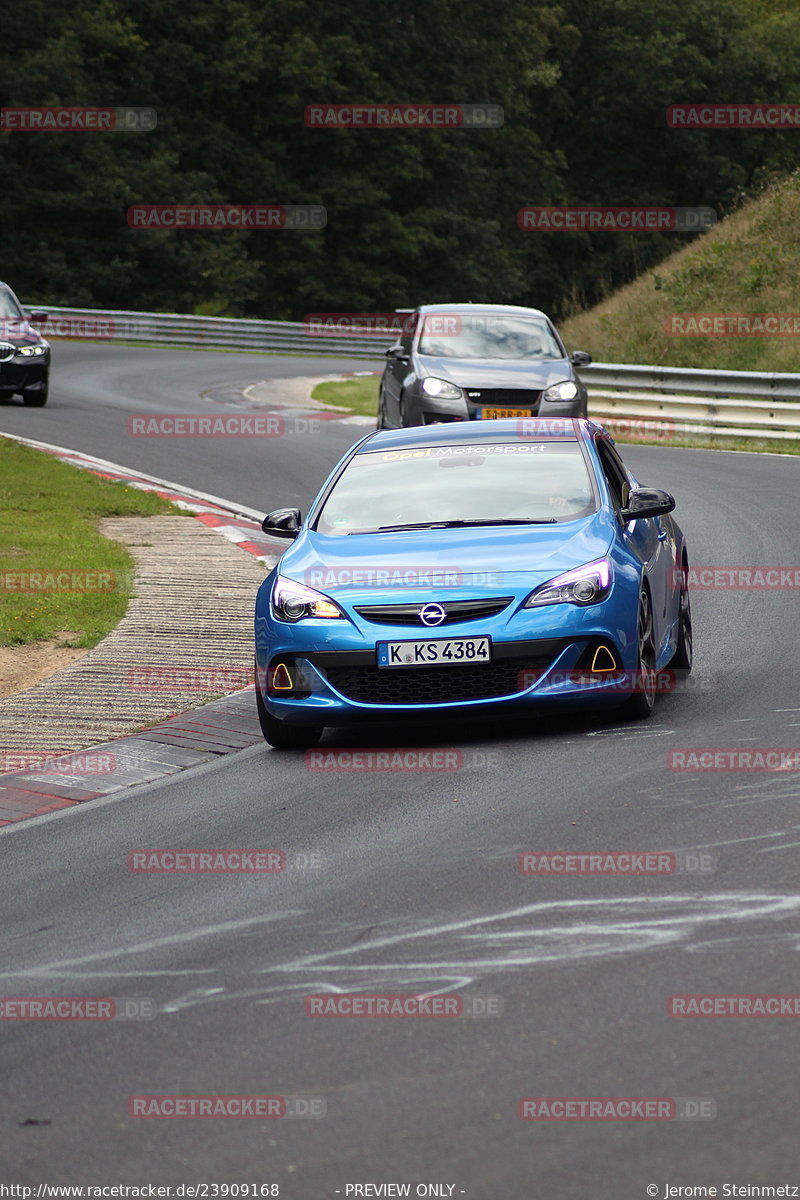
<point x="462" y="362"/>
<point x="24" y="354"/>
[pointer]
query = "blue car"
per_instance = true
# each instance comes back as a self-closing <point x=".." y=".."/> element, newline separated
<point x="471" y="570"/>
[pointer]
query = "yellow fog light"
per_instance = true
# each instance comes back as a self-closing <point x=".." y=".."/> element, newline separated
<point x="603" y="660"/>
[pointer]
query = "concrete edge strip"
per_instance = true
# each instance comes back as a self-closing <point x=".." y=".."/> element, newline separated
<point x="175" y="744"/>
<point x="221" y="727"/>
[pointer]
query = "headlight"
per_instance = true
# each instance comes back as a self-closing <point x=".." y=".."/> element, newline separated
<point x="441" y="388"/>
<point x="562" y="391"/>
<point x="584" y="585"/>
<point x="31" y="351"/>
<point x="293" y="601"/>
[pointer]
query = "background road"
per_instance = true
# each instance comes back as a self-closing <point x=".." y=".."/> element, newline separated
<point x="96" y="387"/>
<point x="417" y="889"/>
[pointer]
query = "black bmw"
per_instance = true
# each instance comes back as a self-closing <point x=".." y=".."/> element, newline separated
<point x="24" y="354"/>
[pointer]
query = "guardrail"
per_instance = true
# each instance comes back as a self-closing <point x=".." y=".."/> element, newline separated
<point x="212" y="333"/>
<point x="674" y="400"/>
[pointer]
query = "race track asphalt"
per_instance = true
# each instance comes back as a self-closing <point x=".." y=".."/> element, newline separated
<point x="416" y="889"/>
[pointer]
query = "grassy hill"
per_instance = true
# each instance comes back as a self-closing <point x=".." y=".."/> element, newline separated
<point x="749" y="263"/>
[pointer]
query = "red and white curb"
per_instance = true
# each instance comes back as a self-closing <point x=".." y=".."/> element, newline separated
<point x="236" y="522"/>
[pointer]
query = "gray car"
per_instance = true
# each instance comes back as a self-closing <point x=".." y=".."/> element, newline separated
<point x="462" y="362"/>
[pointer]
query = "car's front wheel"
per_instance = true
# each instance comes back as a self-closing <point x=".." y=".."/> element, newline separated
<point x="641" y="703"/>
<point x="35" y="398"/>
<point x="282" y="736"/>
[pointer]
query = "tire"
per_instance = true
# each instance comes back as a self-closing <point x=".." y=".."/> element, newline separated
<point x="380" y="423"/>
<point x="682" y="658"/>
<point x="639" y="706"/>
<point x="281" y="736"/>
<point x="35" y="399"/>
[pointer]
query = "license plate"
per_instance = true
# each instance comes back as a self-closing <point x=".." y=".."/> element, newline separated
<point x="438" y="652"/>
<point x="498" y="414"/>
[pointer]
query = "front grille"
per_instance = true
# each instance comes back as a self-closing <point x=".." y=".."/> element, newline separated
<point x="435" y="685"/>
<point x="408" y="614"/>
<point x="6" y="351"/>
<point x="504" y="398"/>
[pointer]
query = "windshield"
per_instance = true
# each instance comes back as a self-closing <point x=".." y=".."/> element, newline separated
<point x="484" y="335"/>
<point x="8" y="306"/>
<point x="502" y="482"/>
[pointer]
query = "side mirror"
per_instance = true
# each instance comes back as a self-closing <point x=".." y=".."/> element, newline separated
<point x="580" y="358"/>
<point x="282" y="522"/>
<point x="647" y="502"/>
<point x="397" y="352"/>
<point x="37" y="315"/>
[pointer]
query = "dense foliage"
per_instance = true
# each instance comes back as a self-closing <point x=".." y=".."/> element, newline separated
<point x="413" y="216"/>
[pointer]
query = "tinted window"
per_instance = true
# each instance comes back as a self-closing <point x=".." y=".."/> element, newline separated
<point x="8" y="306"/>
<point x="614" y="471"/>
<point x="538" y="481"/>
<point x="487" y="335"/>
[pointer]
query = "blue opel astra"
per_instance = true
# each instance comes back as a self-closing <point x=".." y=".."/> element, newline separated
<point x="469" y="571"/>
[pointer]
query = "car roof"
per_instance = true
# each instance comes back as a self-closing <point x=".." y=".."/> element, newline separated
<point x="510" y="309"/>
<point x="568" y="429"/>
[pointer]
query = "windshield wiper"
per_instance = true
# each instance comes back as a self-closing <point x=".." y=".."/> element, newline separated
<point x="459" y="524"/>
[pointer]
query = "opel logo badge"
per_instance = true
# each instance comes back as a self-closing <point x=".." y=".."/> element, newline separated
<point x="432" y="614"/>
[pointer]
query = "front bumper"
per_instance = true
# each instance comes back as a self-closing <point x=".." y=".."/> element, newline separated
<point x="428" y="410"/>
<point x="18" y="375"/>
<point x="344" y="686"/>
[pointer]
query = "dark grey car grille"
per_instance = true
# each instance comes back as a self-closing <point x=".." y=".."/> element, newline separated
<point x="6" y="351"/>
<point x="456" y="610"/>
<point x="504" y="398"/>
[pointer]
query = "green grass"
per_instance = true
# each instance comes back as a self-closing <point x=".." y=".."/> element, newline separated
<point x="48" y="522"/>
<point x="359" y="395"/>
<point x="700" y="442"/>
<point x="748" y="263"/>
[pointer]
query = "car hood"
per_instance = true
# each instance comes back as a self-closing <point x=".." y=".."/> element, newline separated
<point x="493" y="373"/>
<point x="411" y="566"/>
